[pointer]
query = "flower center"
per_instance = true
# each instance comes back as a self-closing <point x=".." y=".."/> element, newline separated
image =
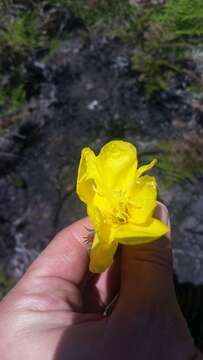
<point x="120" y="215"/>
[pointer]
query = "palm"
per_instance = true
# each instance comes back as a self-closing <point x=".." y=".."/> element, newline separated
<point x="55" y="311"/>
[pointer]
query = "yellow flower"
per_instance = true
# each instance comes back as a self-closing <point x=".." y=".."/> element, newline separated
<point x="120" y="202"/>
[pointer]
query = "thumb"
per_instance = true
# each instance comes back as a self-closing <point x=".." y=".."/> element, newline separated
<point x="54" y="279"/>
<point x="146" y="272"/>
<point x="67" y="255"/>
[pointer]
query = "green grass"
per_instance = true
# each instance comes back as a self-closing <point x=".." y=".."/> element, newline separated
<point x="176" y="168"/>
<point x="185" y="16"/>
<point x="20" y="35"/>
<point x="165" y="42"/>
<point x="179" y="160"/>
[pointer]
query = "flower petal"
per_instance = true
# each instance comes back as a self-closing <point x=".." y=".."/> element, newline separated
<point x="131" y="234"/>
<point x="142" y="199"/>
<point x="104" y="246"/>
<point x="118" y="161"/>
<point x="102" y="254"/>
<point x="147" y="167"/>
<point x="88" y="176"/>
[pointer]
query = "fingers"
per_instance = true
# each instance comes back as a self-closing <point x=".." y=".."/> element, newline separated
<point x="99" y="290"/>
<point x="67" y="256"/>
<point x="146" y="272"/>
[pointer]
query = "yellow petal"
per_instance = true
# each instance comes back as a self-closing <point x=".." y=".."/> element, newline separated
<point x="131" y="234"/>
<point x="147" y="167"/>
<point x="118" y="163"/>
<point x="88" y="176"/>
<point x="95" y="216"/>
<point x="102" y="254"/>
<point x="142" y="200"/>
<point x="103" y="204"/>
<point x="104" y="246"/>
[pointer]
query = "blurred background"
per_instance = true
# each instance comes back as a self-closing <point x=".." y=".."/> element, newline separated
<point x="83" y="72"/>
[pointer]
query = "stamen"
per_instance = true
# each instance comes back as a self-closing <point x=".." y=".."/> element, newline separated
<point x="120" y="214"/>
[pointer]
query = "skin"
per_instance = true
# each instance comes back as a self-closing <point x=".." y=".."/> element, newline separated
<point x="55" y="312"/>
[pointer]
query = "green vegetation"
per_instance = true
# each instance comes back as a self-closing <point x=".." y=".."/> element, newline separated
<point x="177" y="164"/>
<point x="162" y="37"/>
<point x="13" y="98"/>
<point x="18" y="37"/>
<point x="179" y="159"/>
<point x="184" y="16"/>
<point x="103" y="12"/>
<point x="158" y="58"/>
<point x="168" y="36"/>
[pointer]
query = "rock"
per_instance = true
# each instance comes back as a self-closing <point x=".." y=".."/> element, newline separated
<point x="87" y="96"/>
<point x="185" y="204"/>
<point x="197" y="207"/>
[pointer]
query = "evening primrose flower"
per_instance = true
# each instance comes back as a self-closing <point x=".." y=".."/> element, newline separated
<point x="120" y="201"/>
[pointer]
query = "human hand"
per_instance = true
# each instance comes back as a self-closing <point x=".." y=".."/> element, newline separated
<point x="55" y="312"/>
